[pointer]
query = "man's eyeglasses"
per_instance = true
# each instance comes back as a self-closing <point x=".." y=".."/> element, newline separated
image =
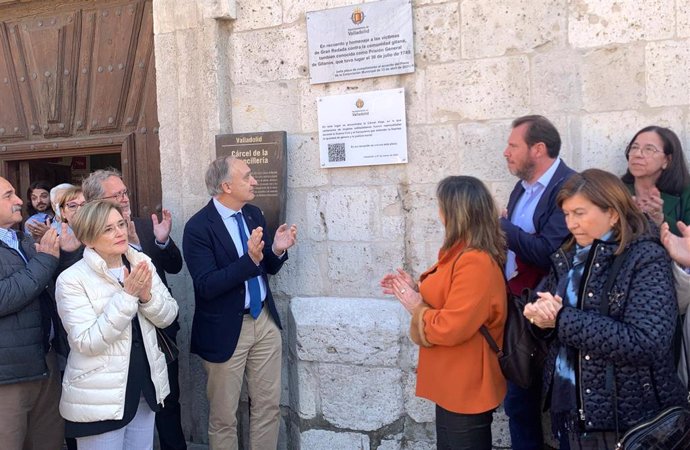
<point x="646" y="151"/>
<point x="119" y="196"/>
<point x="73" y="206"/>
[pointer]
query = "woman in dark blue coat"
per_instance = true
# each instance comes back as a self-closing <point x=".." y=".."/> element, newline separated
<point x="628" y="349"/>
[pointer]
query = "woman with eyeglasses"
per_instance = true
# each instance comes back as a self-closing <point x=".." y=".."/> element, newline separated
<point x="111" y="303"/>
<point x="68" y="203"/>
<point x="658" y="177"/>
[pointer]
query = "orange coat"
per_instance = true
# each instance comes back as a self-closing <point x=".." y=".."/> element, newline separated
<point x="459" y="371"/>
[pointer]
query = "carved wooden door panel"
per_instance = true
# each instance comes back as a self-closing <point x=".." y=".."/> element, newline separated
<point x="77" y="77"/>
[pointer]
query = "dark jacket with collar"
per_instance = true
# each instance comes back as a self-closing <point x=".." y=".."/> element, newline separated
<point x="27" y="307"/>
<point x="635" y="336"/>
<point x="168" y="259"/>
<point x="219" y="274"/>
<point x="533" y="250"/>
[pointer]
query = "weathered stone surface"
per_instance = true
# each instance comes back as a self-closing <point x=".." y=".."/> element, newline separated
<point x="360" y="398"/>
<point x="304" y="169"/>
<point x="440" y="41"/>
<point x="606" y="135"/>
<point x="172" y="15"/>
<point x="419" y="409"/>
<point x="478" y="89"/>
<point x="265" y="107"/>
<point x="294" y="10"/>
<point x="329" y="440"/>
<point x="495" y="28"/>
<point x="683" y="19"/>
<point x="500" y="433"/>
<point x="613" y="78"/>
<point x="269" y="55"/>
<point x="482" y="146"/>
<point x="667" y="65"/>
<point x="593" y="23"/>
<point x="432" y="149"/>
<point x="257" y="14"/>
<point x="305" y="272"/>
<point x="305" y="391"/>
<point x="344" y="330"/>
<point x="556" y="86"/>
<point x="355" y="268"/>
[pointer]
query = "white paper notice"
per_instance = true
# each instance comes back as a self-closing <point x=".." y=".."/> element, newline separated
<point x="362" y="129"/>
<point x="360" y="41"/>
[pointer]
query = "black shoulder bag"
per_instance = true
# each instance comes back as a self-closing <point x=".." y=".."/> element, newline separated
<point x="522" y="356"/>
<point x="670" y="429"/>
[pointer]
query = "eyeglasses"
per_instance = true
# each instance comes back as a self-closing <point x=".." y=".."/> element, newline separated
<point x="111" y="230"/>
<point x="118" y="195"/>
<point x="73" y="206"/>
<point x="646" y="151"/>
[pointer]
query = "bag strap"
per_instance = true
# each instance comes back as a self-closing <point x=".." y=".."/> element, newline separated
<point x="483" y="330"/>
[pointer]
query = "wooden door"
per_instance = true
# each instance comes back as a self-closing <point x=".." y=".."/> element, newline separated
<point x="77" y="75"/>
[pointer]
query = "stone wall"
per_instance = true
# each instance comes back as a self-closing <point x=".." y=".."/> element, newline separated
<point x="600" y="69"/>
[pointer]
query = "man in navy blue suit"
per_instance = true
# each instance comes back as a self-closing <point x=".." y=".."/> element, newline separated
<point x="535" y="227"/>
<point x="236" y="328"/>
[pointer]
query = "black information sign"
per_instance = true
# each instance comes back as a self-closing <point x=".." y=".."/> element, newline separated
<point x="266" y="154"/>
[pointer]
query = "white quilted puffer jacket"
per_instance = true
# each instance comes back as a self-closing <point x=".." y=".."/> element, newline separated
<point x="97" y="314"/>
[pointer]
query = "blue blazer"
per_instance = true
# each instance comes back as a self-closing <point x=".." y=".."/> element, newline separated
<point x="549" y="224"/>
<point x="219" y="274"/>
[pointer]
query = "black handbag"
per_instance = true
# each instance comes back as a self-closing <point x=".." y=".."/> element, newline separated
<point x="522" y="356"/>
<point x="167" y="346"/>
<point x="668" y="430"/>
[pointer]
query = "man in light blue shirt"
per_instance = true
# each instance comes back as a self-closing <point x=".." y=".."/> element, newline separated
<point x="535" y="227"/>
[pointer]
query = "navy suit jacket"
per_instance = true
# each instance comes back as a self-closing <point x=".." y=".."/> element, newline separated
<point x="533" y="250"/>
<point x="219" y="274"/>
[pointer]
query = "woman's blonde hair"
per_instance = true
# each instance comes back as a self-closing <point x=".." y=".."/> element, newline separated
<point x="471" y="216"/>
<point x="67" y="195"/>
<point x="607" y="191"/>
<point x="91" y="219"/>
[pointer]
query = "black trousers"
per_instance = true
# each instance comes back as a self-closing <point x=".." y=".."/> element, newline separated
<point x="456" y="431"/>
<point x="169" y="418"/>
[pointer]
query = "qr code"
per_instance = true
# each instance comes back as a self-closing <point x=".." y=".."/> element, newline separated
<point x="336" y="152"/>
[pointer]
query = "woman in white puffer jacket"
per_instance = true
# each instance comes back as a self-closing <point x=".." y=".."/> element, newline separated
<point x="110" y="303"/>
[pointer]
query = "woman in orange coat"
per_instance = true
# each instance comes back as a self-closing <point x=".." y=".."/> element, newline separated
<point x="464" y="290"/>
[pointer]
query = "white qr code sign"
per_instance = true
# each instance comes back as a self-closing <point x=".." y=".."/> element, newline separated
<point x="362" y="129"/>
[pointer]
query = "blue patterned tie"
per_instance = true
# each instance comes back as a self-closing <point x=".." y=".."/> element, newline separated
<point x="252" y="283"/>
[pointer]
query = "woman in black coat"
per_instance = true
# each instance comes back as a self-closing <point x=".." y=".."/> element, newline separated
<point x="628" y="349"/>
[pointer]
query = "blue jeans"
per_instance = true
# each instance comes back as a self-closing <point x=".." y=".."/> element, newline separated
<point x="523" y="408"/>
<point x="455" y="431"/>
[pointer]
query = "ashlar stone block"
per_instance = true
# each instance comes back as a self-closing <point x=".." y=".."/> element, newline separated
<point x="419" y="409"/>
<point x="269" y="55"/>
<point x="306" y="390"/>
<point x="360" y="398"/>
<point x="613" y="78"/>
<point x="667" y="68"/>
<point x="593" y="23"/>
<point x="329" y="440"/>
<point x="683" y="18"/>
<point x="605" y="135"/>
<point x="495" y="28"/>
<point x="304" y="169"/>
<point x="482" y="145"/>
<point x="355" y="268"/>
<point x="437" y="36"/>
<point x="556" y="81"/>
<point x="478" y="89"/>
<point x="257" y="14"/>
<point x="347" y="330"/>
<point x="265" y="107"/>
<point x="433" y="153"/>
